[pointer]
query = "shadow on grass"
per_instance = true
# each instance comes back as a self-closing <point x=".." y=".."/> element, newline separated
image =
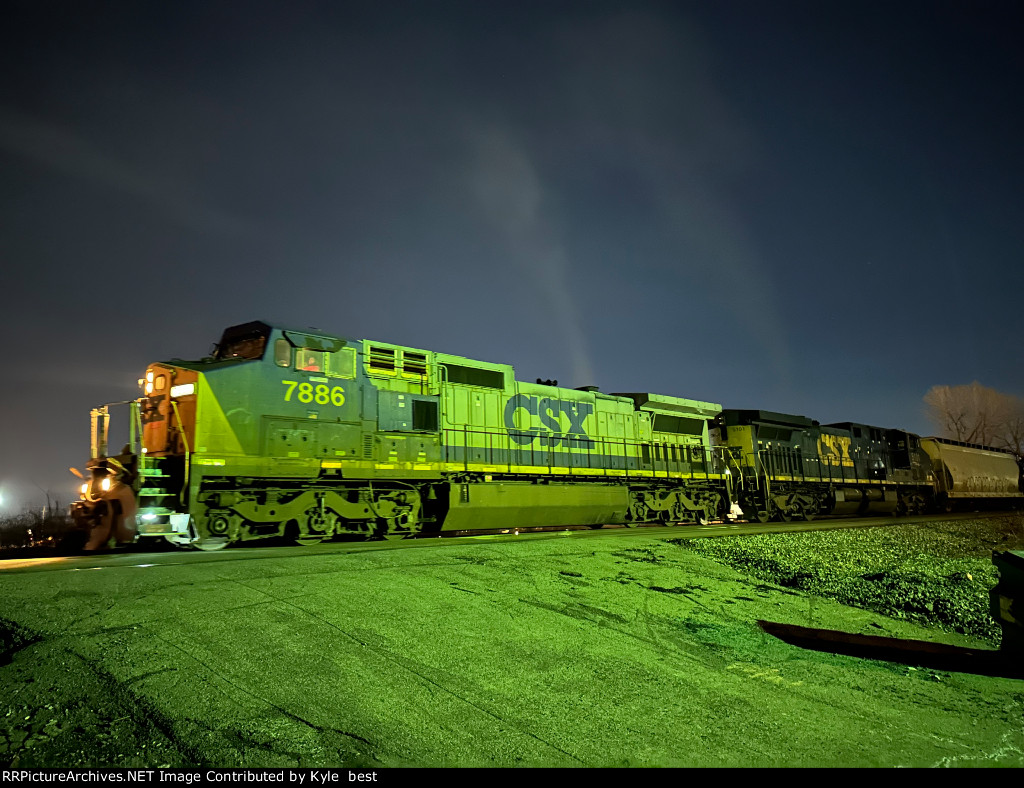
<point x="918" y="653"/>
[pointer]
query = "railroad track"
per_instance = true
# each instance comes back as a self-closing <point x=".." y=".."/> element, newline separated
<point x="146" y="555"/>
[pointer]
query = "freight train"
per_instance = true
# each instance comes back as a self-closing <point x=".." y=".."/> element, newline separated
<point x="296" y="433"/>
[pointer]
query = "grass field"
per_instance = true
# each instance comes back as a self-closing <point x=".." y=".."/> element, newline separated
<point x="937" y="573"/>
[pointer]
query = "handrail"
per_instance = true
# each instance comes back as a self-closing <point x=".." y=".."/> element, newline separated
<point x="702" y="459"/>
<point x="184" y="441"/>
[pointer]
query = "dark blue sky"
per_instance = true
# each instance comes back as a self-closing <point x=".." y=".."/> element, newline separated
<point x="798" y="206"/>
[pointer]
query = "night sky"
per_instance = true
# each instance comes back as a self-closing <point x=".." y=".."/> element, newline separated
<point x="810" y="207"/>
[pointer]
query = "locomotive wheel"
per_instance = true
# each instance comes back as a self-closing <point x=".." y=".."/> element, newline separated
<point x="810" y="513"/>
<point x="784" y="515"/>
<point x="637" y="514"/>
<point x="390" y="536"/>
<point x="210" y="543"/>
<point x="219" y="531"/>
<point x="383" y="531"/>
<point x="206" y="540"/>
<point x="307" y="541"/>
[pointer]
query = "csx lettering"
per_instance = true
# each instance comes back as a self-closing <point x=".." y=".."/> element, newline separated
<point x="549" y="413"/>
<point x="838" y="445"/>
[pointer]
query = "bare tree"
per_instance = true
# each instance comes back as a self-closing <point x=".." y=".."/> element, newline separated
<point x="977" y="414"/>
<point x="1013" y="433"/>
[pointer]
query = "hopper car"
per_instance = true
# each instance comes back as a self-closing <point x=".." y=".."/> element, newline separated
<point x="297" y="433"/>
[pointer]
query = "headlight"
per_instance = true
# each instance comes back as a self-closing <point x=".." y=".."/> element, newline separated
<point x="105" y="484"/>
<point x="183" y="390"/>
<point x="85" y="489"/>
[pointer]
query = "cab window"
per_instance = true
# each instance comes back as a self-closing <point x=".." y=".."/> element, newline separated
<point x="342" y="363"/>
<point x="309" y="360"/>
<point x="283" y="353"/>
<point x="248" y="348"/>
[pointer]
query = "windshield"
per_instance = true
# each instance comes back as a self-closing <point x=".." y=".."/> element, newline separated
<point x="247" y="341"/>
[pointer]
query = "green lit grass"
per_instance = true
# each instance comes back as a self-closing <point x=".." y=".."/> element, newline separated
<point x="937" y="573"/>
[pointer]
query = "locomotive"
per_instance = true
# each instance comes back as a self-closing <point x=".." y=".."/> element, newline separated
<point x="297" y="433"/>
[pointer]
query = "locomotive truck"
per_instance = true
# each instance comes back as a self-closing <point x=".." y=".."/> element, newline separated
<point x="297" y="433"/>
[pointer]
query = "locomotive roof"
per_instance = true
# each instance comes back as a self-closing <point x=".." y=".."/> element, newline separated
<point x="733" y="416"/>
<point x="261" y="326"/>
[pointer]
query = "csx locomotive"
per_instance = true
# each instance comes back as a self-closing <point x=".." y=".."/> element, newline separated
<point x="297" y="433"/>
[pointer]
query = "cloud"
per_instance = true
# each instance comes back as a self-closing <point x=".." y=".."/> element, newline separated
<point x="504" y="180"/>
<point x="65" y="151"/>
<point x="647" y="89"/>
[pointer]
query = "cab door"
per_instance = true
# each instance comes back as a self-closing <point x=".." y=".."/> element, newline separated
<point x="168" y="411"/>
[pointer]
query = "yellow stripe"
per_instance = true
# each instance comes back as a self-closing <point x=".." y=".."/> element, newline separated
<point x="541" y="470"/>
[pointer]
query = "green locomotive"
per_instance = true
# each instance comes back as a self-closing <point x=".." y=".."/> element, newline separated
<point x="297" y="433"/>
